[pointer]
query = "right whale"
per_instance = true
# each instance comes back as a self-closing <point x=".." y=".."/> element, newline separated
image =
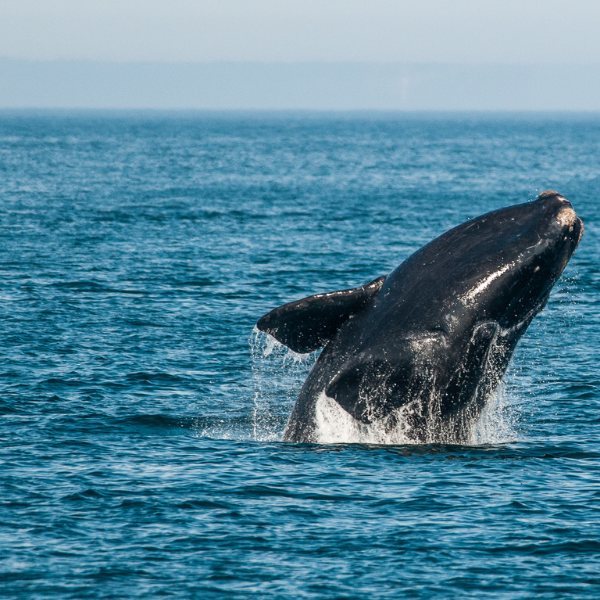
<point x="423" y="348"/>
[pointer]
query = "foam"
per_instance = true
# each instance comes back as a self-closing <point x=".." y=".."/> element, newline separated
<point x="496" y="424"/>
<point x="335" y="426"/>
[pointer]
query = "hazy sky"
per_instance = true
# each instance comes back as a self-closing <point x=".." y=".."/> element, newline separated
<point x="446" y="31"/>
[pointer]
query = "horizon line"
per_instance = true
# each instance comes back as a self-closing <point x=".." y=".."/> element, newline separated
<point x="300" y="62"/>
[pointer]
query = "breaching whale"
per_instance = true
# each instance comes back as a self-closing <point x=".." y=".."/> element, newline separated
<point x="424" y="347"/>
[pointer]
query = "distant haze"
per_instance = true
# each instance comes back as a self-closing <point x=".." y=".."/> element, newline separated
<point x="307" y="86"/>
<point x="301" y="54"/>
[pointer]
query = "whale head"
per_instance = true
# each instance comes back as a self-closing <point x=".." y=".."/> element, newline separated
<point x="442" y="330"/>
<point x="494" y="271"/>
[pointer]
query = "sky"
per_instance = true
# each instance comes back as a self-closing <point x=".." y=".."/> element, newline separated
<point x="301" y="54"/>
<point x="515" y="32"/>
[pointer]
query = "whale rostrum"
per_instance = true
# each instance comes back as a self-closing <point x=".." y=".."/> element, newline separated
<point x="424" y="347"/>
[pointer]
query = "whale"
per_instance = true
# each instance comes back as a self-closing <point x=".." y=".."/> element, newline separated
<point x="422" y="349"/>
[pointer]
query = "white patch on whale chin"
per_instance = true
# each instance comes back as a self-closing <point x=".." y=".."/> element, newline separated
<point x="336" y="426"/>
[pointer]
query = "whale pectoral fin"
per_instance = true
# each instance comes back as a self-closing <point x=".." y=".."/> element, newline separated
<point x="308" y="324"/>
<point x="345" y="390"/>
<point x="369" y="387"/>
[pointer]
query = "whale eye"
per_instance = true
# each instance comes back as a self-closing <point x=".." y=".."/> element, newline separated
<point x="485" y="331"/>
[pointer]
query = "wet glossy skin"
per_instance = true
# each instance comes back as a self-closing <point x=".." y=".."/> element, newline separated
<point x="440" y="333"/>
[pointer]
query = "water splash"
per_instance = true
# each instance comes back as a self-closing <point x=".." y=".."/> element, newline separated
<point x="277" y="376"/>
<point x="496" y="425"/>
<point x="335" y="425"/>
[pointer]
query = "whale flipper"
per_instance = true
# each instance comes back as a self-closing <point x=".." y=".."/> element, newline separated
<point x="308" y="324"/>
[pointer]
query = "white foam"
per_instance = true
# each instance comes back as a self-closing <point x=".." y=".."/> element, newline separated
<point x="496" y="425"/>
<point x="335" y="426"/>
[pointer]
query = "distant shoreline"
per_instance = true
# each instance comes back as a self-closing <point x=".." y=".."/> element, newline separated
<point x="238" y="86"/>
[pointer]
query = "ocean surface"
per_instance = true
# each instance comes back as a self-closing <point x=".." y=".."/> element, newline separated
<point x="141" y="414"/>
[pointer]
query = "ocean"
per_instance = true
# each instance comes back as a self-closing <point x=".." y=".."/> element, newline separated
<point x="141" y="412"/>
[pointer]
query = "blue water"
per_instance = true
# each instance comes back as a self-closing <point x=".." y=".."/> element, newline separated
<point x="140" y="425"/>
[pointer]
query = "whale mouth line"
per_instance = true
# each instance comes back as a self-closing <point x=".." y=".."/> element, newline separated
<point x="524" y="322"/>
